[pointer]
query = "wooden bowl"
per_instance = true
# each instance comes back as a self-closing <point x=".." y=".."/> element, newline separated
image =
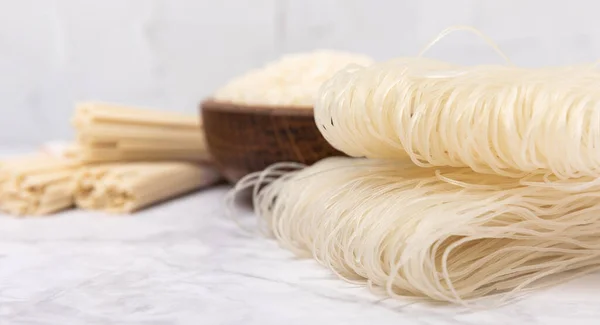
<point x="245" y="139"/>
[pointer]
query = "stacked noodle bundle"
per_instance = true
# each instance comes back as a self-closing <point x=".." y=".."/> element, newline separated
<point x="125" y="159"/>
<point x="445" y="234"/>
<point x="36" y="184"/>
<point x="494" y="119"/>
<point x="108" y="132"/>
<point x="479" y="181"/>
<point x="138" y="157"/>
<point x="125" y="188"/>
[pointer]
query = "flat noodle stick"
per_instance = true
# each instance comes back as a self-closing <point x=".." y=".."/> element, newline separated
<point x="58" y="192"/>
<point x="54" y="206"/>
<point x="115" y="131"/>
<point x="110" y="155"/>
<point x="120" y="113"/>
<point x="128" y="147"/>
<point x="46" y="178"/>
<point x="141" y="143"/>
<point x="151" y="150"/>
<point x="83" y="119"/>
<point x="36" y="185"/>
<point x="153" y="145"/>
<point x="97" y="144"/>
<point x="135" y="119"/>
<point x="129" y="187"/>
<point x="116" y="111"/>
<point x="35" y="163"/>
<point x="111" y="133"/>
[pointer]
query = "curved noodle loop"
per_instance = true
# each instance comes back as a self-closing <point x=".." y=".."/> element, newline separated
<point x="446" y="234"/>
<point x="494" y="119"/>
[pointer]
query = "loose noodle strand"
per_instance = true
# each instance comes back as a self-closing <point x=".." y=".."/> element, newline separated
<point x="475" y="31"/>
<point x="444" y="234"/>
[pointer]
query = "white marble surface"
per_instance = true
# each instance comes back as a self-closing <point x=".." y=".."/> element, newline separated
<point x="185" y="263"/>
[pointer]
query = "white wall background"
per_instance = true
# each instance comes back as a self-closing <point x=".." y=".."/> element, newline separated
<point x="172" y="53"/>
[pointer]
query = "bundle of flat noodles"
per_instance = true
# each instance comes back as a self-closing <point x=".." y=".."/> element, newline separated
<point x="128" y="187"/>
<point x="444" y="234"/>
<point x="36" y="184"/>
<point x="494" y="119"/>
<point x="108" y="133"/>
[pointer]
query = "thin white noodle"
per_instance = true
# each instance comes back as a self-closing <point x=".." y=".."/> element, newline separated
<point x="503" y="120"/>
<point x="444" y="234"/>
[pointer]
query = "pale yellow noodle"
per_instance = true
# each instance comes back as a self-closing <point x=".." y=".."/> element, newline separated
<point x="128" y="187"/>
<point x="97" y="155"/>
<point x="126" y="114"/>
<point x="111" y="133"/>
<point x="36" y="184"/>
